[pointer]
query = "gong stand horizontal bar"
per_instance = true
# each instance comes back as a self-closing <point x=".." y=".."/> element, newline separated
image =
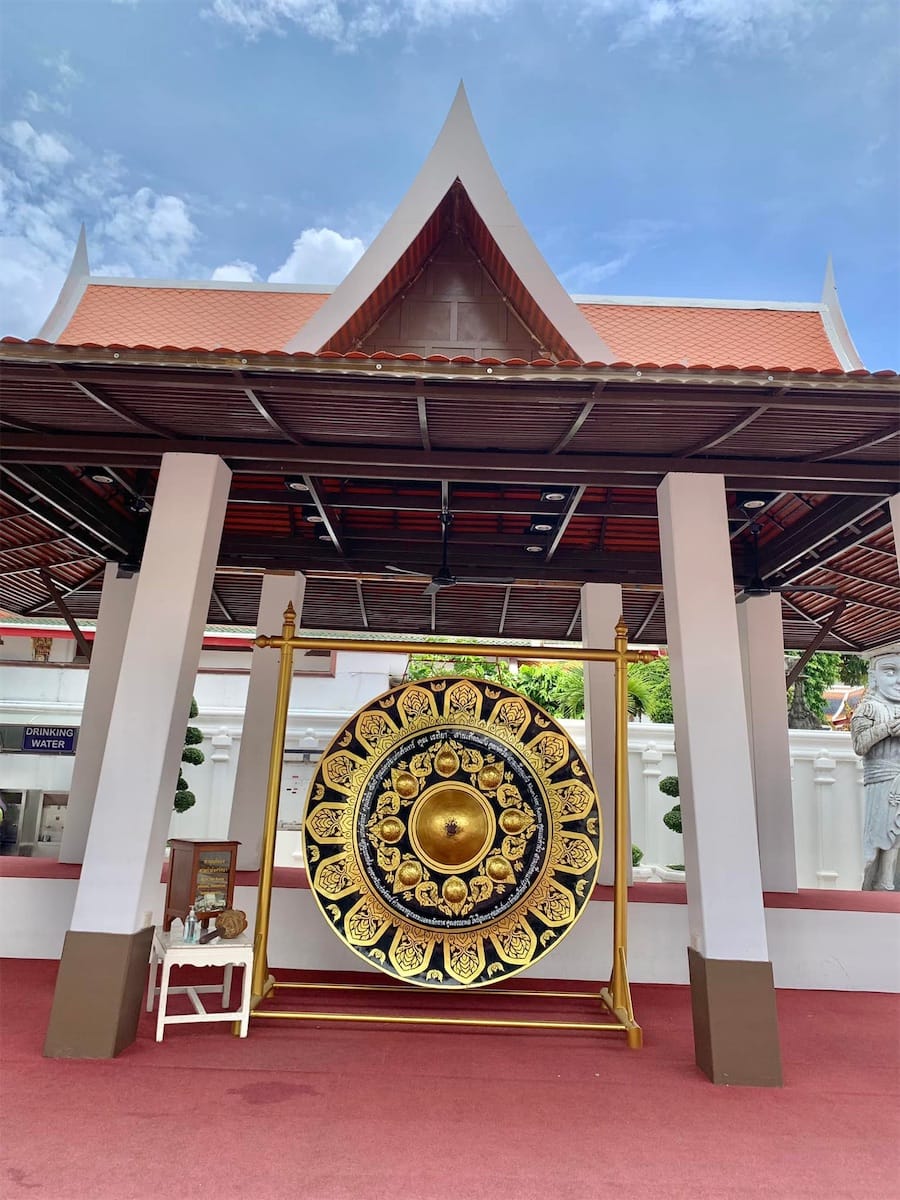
<point x="370" y="1018"/>
<point x="410" y="990"/>
<point x="617" y="997"/>
<point x="455" y="649"/>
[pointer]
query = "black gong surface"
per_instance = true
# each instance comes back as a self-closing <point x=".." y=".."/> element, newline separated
<point x="452" y="832"/>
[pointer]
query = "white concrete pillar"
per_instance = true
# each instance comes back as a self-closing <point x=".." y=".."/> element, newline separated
<point x="116" y="600"/>
<point x="601" y="608"/>
<point x="120" y="880"/>
<point x="732" y="988"/>
<point x="724" y="886"/>
<point x="279" y="588"/>
<point x="762" y="652"/>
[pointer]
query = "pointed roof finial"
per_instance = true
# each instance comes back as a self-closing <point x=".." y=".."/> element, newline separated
<point x="458" y="154"/>
<point x="835" y="325"/>
<point x="71" y="291"/>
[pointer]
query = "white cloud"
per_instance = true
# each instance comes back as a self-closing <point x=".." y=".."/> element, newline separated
<point x="726" y="24"/>
<point x="236" y="272"/>
<point x="618" y="247"/>
<point x="156" y="231"/>
<point x="319" y="256"/>
<point x="43" y="149"/>
<point x="348" y="22"/>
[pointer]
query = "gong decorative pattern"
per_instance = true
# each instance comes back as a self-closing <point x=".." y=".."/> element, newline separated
<point x="452" y="832"/>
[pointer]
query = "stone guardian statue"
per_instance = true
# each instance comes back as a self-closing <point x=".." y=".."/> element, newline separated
<point x="875" y="730"/>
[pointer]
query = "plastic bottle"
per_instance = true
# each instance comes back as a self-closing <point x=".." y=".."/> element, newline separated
<point x="190" y="926"/>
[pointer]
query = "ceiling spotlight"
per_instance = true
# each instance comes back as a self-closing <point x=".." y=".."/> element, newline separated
<point x="534" y="549"/>
<point x="138" y="505"/>
<point x="553" y="494"/>
<point x="540" y="525"/>
<point x="752" y="501"/>
<point x="324" y="537"/>
<point x="295" y="483"/>
<point x="315" y="517"/>
<point x="100" y="475"/>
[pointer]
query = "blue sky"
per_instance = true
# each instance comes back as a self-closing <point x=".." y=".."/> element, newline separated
<point x="710" y="148"/>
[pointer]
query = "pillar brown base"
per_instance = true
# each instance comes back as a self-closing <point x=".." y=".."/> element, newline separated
<point x="735" y="1022"/>
<point x="99" y="994"/>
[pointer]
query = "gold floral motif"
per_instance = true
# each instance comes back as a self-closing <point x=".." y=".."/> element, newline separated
<point x="464" y="957"/>
<point x="574" y="852"/>
<point x="573" y="799"/>
<point x="551" y="750"/>
<point x="511" y="714"/>
<point x="373" y="728"/>
<point x="326" y="823"/>
<point x="410" y="952"/>
<point x="339" y="769"/>
<point x="556" y="906"/>
<point x="313" y="854"/>
<point x="514" y="941"/>
<point x="333" y="878"/>
<point x="365" y="922"/>
<point x="463" y="698"/>
<point x="415" y="702"/>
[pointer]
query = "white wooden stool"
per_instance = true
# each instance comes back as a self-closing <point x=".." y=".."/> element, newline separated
<point x="220" y="953"/>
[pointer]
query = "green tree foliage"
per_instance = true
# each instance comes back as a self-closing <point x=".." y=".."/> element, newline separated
<point x="854" y="671"/>
<point x="184" y="797"/>
<point x="636" y="855"/>
<point x="654" y="675"/>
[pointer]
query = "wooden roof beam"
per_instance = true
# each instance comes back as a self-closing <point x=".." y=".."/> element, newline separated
<point x="66" y="591"/>
<point x="828" y="625"/>
<point x="649" y="617"/>
<point x="364" y="616"/>
<point x="101" y="398"/>
<point x="328" y="520"/>
<point x="805" y="616"/>
<point x="864" y="443"/>
<point x="568" y="514"/>
<point x="268" y="416"/>
<point x="59" y="489"/>
<point x="724" y="434"/>
<point x="823" y="524"/>
<point x="494" y="467"/>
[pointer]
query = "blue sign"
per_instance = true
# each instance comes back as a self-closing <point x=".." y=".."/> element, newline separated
<point x="49" y="739"/>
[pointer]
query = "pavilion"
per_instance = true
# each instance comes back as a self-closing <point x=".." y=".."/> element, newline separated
<point x="181" y="452"/>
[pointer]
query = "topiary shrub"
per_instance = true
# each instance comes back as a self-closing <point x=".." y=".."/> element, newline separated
<point x="636" y="855"/>
<point x="184" y="797"/>
<point x="671" y="819"/>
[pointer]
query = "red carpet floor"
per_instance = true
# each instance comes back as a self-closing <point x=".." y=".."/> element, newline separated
<point x="338" y="1112"/>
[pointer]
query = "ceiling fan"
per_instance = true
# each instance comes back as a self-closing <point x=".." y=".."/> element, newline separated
<point x="756" y="586"/>
<point x="444" y="577"/>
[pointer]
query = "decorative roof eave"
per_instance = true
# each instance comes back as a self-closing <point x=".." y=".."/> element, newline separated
<point x="458" y="153"/>
<point x="70" y="293"/>
<point x="436" y="366"/>
<point x="835" y="325"/>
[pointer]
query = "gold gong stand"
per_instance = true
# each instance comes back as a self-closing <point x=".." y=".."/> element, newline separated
<point x="616" y="997"/>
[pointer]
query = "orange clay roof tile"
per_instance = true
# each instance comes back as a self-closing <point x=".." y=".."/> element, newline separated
<point x="206" y="318"/>
<point x="187" y="317"/>
<point x="739" y="336"/>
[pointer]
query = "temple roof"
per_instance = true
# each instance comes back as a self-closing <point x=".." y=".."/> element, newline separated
<point x="637" y="330"/>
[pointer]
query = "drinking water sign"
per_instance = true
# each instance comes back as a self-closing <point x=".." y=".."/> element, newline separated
<point x="49" y="739"/>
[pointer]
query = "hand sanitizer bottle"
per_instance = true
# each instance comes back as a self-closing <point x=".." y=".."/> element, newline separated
<point x="190" y="926"/>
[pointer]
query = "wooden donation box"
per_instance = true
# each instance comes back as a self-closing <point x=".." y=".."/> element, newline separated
<point x="200" y="874"/>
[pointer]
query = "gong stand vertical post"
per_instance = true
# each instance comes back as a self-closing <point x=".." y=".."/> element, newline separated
<point x="617" y="996"/>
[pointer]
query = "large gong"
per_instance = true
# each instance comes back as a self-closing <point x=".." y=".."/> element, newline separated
<point x="452" y="833"/>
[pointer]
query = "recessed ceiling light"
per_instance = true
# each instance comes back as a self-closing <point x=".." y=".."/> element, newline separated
<point x="100" y="476"/>
<point x="534" y="549"/>
<point x="752" y="501"/>
<point x="555" y="494"/>
<point x="324" y="537"/>
<point x="541" y="526"/>
<point x="295" y="484"/>
<point x="316" y="518"/>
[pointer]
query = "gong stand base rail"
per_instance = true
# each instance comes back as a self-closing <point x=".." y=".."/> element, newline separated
<point x="623" y="1023"/>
